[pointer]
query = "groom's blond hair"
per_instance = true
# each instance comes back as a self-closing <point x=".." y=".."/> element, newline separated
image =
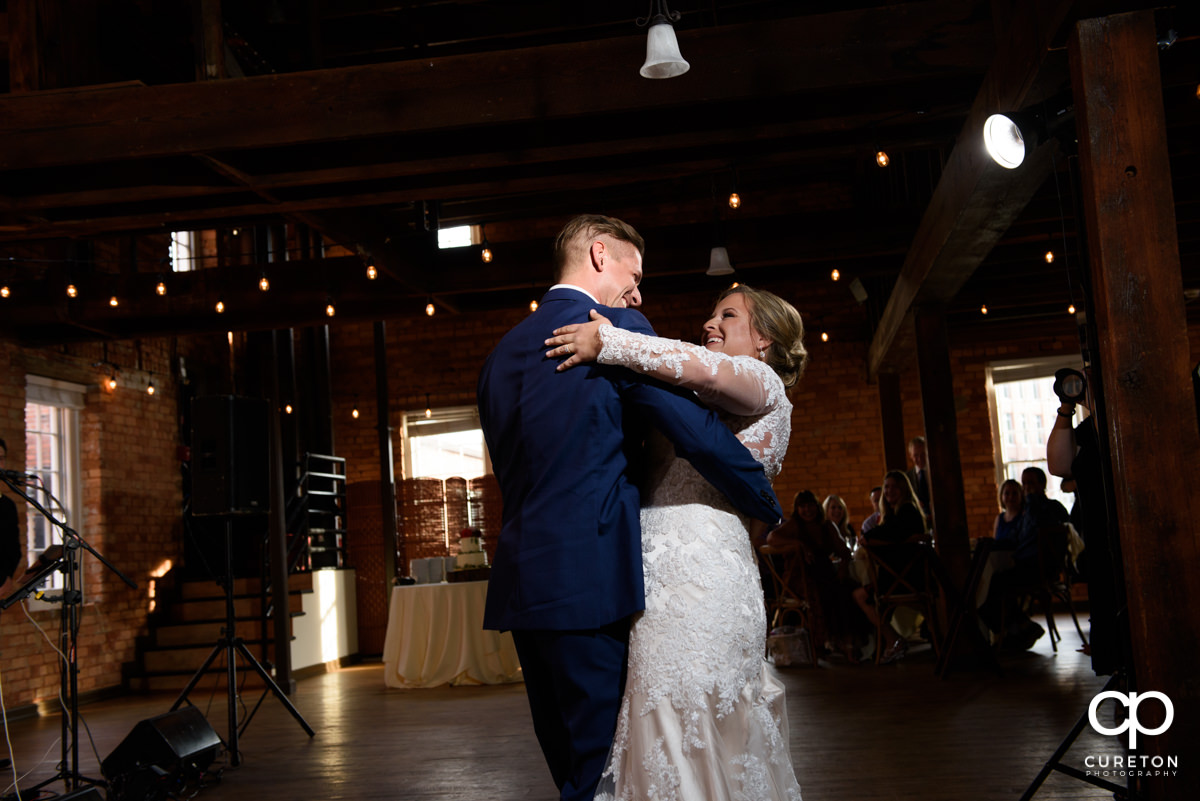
<point x="582" y="230"/>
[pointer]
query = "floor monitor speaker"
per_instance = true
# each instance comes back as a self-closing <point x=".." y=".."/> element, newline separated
<point x="162" y="757"/>
<point x="230" y="456"/>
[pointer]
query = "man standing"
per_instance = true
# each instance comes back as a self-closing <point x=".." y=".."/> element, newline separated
<point x="568" y="569"/>
<point x="918" y="474"/>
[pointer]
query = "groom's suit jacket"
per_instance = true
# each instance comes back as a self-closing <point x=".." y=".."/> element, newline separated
<point x="564" y="447"/>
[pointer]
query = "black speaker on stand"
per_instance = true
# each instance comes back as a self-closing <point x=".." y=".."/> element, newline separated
<point x="163" y="757"/>
<point x="231" y="477"/>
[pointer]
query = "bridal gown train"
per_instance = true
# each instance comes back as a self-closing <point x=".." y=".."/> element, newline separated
<point x="703" y="716"/>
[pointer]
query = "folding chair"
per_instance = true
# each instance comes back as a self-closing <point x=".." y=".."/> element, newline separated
<point x="911" y="585"/>
<point x="1049" y="584"/>
<point x="785" y="566"/>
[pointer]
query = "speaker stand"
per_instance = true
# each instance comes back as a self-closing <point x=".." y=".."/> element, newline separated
<point x="231" y="645"/>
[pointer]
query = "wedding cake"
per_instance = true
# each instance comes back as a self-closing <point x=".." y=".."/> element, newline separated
<point x="470" y="550"/>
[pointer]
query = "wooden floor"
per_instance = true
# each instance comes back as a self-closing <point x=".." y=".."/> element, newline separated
<point x="858" y="732"/>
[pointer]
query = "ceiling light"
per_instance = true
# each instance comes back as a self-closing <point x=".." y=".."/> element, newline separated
<point x="4" y="292"/>
<point x="112" y="381"/>
<point x="114" y="302"/>
<point x="533" y="304"/>
<point x="430" y="308"/>
<point x="150" y="387"/>
<point x="428" y="408"/>
<point x="263" y="283"/>
<point x="72" y="292"/>
<point x="329" y="308"/>
<point x="287" y="408"/>
<point x="220" y="307"/>
<point x="835" y="275"/>
<point x="160" y="288"/>
<point x="1071" y="309"/>
<point x="663" y="59"/>
<point x="485" y="255"/>
<point x="1008" y="137"/>
<point x="354" y="411"/>
<point x="881" y="158"/>
<point x="1049" y="257"/>
<point x="983" y="309"/>
<point x="824" y="336"/>
<point x="372" y="273"/>
<point x="735" y="200"/>
<point x="718" y="262"/>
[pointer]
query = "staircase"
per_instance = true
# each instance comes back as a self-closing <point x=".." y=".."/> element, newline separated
<point x="190" y="622"/>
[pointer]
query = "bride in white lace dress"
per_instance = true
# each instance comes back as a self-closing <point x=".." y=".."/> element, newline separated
<point x="703" y="718"/>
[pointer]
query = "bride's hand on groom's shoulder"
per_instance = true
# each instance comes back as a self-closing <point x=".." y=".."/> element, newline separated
<point x="578" y="343"/>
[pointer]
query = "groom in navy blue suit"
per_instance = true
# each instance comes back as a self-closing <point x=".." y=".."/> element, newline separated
<point x="565" y="446"/>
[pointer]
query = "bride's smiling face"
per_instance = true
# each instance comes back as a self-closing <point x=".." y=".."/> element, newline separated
<point x="729" y="330"/>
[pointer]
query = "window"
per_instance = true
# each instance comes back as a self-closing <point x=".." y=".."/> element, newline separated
<point x="446" y="444"/>
<point x="458" y="237"/>
<point x="52" y="452"/>
<point x="1021" y="398"/>
<point x="183" y="251"/>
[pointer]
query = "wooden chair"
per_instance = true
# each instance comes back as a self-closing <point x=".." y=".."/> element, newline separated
<point x="784" y="565"/>
<point x="1051" y="583"/>
<point x="911" y="585"/>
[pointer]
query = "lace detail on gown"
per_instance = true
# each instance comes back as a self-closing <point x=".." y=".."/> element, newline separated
<point x="703" y="714"/>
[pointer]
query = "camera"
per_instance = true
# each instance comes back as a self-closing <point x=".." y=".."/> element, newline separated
<point x="1070" y="385"/>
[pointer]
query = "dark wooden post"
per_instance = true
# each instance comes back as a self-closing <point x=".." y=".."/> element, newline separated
<point x="387" y="470"/>
<point x="941" y="439"/>
<point x="891" y="412"/>
<point x="1150" y="412"/>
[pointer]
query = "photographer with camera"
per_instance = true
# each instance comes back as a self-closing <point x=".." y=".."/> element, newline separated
<point x="1074" y="452"/>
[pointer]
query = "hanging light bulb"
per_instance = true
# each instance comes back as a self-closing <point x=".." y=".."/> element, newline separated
<point x="430" y="308"/>
<point x="663" y="59"/>
<point x="150" y="387"/>
<point x="1071" y="309"/>
<point x="160" y="287"/>
<point x="354" y="411"/>
<point x="428" y="408"/>
<point x="220" y="307"/>
<point x="263" y="283"/>
<point x="4" y="292"/>
<point x="824" y="336"/>
<point x="835" y="275"/>
<point x="486" y="254"/>
<point x="72" y="292"/>
<point x="533" y="305"/>
<point x="881" y="158"/>
<point x="372" y="273"/>
<point x="112" y="381"/>
<point x="735" y="200"/>
<point x="229" y="338"/>
<point x="1049" y="257"/>
<point x="288" y="408"/>
<point x="329" y="309"/>
<point x="114" y="302"/>
<point x="235" y="231"/>
<point x="983" y="309"/>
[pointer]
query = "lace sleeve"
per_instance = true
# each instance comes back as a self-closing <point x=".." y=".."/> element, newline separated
<point x="738" y="385"/>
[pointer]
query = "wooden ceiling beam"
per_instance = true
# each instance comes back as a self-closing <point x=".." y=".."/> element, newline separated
<point x="864" y="47"/>
<point x="975" y="200"/>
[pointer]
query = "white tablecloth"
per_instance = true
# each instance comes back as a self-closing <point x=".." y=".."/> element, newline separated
<point x="435" y="636"/>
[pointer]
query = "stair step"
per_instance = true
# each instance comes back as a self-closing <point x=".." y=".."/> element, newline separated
<point x="195" y="611"/>
<point x="182" y="659"/>
<point x="203" y="632"/>
<point x="297" y="582"/>
<point x="175" y="682"/>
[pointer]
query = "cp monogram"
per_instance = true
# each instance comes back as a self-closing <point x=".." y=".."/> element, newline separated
<point x="1131" y="723"/>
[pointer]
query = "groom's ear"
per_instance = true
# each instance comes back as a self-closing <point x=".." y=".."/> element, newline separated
<point x="598" y="253"/>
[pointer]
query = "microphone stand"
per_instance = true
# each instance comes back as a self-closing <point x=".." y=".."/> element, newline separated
<point x="68" y="564"/>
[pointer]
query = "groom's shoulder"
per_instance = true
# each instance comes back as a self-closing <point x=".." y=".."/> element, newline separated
<point x="629" y="319"/>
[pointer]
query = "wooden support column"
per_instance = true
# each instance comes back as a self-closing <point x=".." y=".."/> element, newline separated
<point x="277" y="543"/>
<point x="891" y="412"/>
<point x="387" y="470"/>
<point x="1149" y="410"/>
<point x="24" y="46"/>
<point x="941" y="440"/>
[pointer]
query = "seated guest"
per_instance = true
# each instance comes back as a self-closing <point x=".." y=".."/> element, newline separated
<point x="829" y="590"/>
<point x="873" y="520"/>
<point x="837" y="513"/>
<point x="900" y="536"/>
<point x="1039" y="512"/>
<point x="1012" y="503"/>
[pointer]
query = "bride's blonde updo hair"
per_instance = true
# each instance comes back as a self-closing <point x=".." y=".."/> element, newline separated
<point x="778" y="321"/>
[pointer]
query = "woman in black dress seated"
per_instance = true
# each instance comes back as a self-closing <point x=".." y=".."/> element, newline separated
<point x="899" y="539"/>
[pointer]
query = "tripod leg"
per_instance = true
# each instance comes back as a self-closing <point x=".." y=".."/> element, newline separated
<point x="199" y="674"/>
<point x="273" y="687"/>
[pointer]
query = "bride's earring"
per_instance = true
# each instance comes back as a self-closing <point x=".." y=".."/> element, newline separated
<point x="762" y="355"/>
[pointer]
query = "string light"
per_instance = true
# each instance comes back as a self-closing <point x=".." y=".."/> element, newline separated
<point x="881" y="158"/>
<point x="114" y="302"/>
<point x="160" y="287"/>
<point x="112" y="381"/>
<point x="263" y="283"/>
<point x="329" y="309"/>
<point x="532" y="305"/>
<point x="354" y="411"/>
<point x="220" y="307"/>
<point x="428" y="408"/>
<point x="430" y="308"/>
<point x="235" y="231"/>
<point x="983" y="309"/>
<point x="835" y="275"/>
<point x="735" y="200"/>
<point x="72" y="292"/>
<point x="4" y="292"/>
<point x="288" y="408"/>
<point x="1071" y="309"/>
<point x="150" y="387"/>
<point x="1049" y="257"/>
<point x="486" y="253"/>
<point x="372" y="273"/>
<point x="824" y="336"/>
<point x="229" y="337"/>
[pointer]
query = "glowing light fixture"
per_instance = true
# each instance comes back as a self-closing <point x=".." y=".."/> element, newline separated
<point x="112" y="381"/>
<point x="229" y="338"/>
<point x="663" y="59"/>
<point x="1049" y="257"/>
<point x="114" y="302"/>
<point x="220" y="307"/>
<point x="824" y="336"/>
<point x="150" y="387"/>
<point x="160" y="288"/>
<point x="72" y="292"/>
<point x="354" y="410"/>
<point x="430" y="309"/>
<point x="533" y="304"/>
<point x="718" y="262"/>
<point x="287" y="408"/>
<point x="263" y="283"/>
<point x="983" y="309"/>
<point x="835" y="275"/>
<point x="329" y="308"/>
<point x="735" y="200"/>
<point x="4" y="292"/>
<point x="372" y="273"/>
<point x="1007" y="137"/>
<point x="881" y="158"/>
<point x="1071" y="309"/>
<point x="428" y="408"/>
